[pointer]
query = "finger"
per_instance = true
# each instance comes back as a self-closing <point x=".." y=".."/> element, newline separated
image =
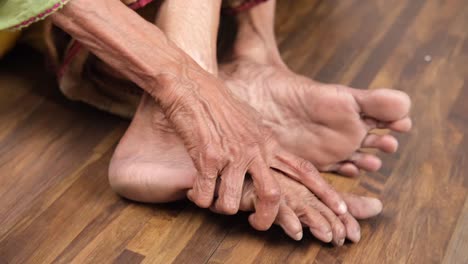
<point x="318" y="225"/>
<point x="289" y="222"/>
<point x="337" y="227"/>
<point x="353" y="230"/>
<point x="268" y="195"/>
<point x="366" y="161"/>
<point x="203" y="190"/>
<point x="385" y="143"/>
<point x="361" y="207"/>
<point x="230" y="190"/>
<point x="305" y="173"/>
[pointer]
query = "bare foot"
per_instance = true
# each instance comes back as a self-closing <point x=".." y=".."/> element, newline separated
<point x="150" y="164"/>
<point x="323" y="123"/>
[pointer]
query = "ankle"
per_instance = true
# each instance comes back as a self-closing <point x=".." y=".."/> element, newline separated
<point x="256" y="35"/>
<point x="249" y="44"/>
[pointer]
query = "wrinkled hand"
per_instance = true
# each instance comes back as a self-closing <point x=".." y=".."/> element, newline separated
<point x="300" y="207"/>
<point x="226" y="140"/>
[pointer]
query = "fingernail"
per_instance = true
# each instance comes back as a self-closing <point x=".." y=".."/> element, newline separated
<point x="298" y="236"/>
<point x="358" y="237"/>
<point x="329" y="236"/>
<point x="342" y="208"/>
<point x="189" y="195"/>
<point x="341" y="242"/>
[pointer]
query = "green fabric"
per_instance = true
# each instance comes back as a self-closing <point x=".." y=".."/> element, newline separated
<point x="14" y="12"/>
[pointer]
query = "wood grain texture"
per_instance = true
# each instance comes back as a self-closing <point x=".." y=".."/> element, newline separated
<point x="56" y="205"/>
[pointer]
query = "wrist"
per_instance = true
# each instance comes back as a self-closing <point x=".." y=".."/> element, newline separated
<point x="185" y="82"/>
<point x="170" y="82"/>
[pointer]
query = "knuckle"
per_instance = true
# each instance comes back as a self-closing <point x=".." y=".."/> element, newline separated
<point x="235" y="150"/>
<point x="272" y="195"/>
<point x="212" y="155"/>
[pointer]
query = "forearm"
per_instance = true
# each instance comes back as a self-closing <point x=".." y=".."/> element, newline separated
<point x="193" y="26"/>
<point x="125" y="41"/>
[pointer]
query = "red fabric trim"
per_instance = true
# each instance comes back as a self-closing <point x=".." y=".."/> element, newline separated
<point x="41" y="15"/>
<point x="139" y="4"/>
<point x="244" y="6"/>
<point x="72" y="52"/>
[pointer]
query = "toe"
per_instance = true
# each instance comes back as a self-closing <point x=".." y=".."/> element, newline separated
<point x="385" y="143"/>
<point x="402" y="125"/>
<point x="348" y="169"/>
<point x="386" y="105"/>
<point x="366" y="161"/>
<point x="361" y="207"/>
<point x="289" y="222"/>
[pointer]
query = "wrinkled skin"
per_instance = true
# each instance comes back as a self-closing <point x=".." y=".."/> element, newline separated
<point x="223" y="136"/>
<point x="324" y="123"/>
<point x="299" y="207"/>
<point x="151" y="164"/>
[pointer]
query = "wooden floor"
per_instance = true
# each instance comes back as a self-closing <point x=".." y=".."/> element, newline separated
<point x="56" y="205"/>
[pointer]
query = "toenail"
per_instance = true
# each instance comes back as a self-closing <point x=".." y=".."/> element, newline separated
<point x="341" y="242"/>
<point x="358" y="237"/>
<point x="328" y="236"/>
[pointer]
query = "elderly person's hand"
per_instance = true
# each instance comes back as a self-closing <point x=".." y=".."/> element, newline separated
<point x="224" y="136"/>
<point x="226" y="139"/>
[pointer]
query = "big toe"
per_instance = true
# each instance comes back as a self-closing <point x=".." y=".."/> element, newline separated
<point x="385" y="105"/>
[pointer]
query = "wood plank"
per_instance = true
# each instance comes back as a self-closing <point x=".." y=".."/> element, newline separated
<point x="56" y="204"/>
<point x="456" y="250"/>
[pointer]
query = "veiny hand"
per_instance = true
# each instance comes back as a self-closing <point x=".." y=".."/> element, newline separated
<point x="226" y="140"/>
<point x="300" y="207"/>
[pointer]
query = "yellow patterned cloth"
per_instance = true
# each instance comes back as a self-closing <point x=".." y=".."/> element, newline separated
<point x="17" y="14"/>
